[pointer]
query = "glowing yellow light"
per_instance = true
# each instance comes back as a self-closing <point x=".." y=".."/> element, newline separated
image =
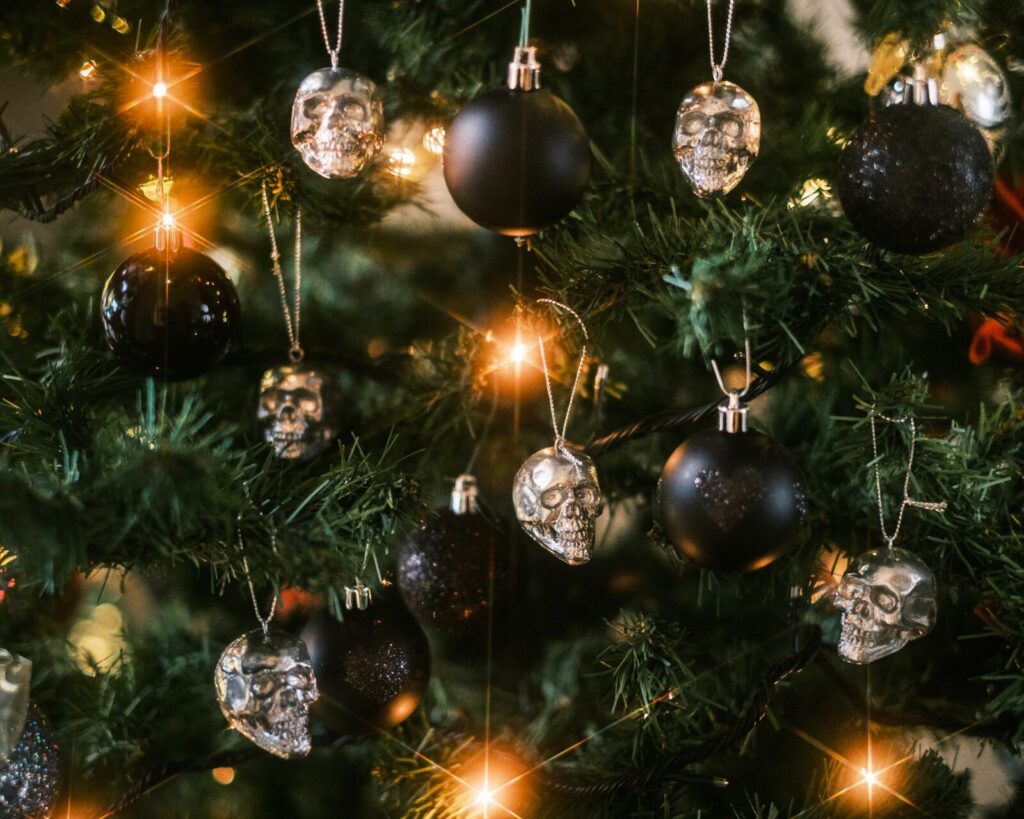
<point x="223" y="776"/>
<point x="484" y="797"/>
<point x="401" y="162"/>
<point x="87" y="70"/>
<point x="517" y="355"/>
<point x="160" y="90"/>
<point x="870" y="778"/>
<point x="167" y="220"/>
<point x="433" y="140"/>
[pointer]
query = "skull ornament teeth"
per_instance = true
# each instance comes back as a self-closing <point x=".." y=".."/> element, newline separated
<point x="265" y="685"/>
<point x="297" y="412"/>
<point x="337" y="122"/>
<point x="887" y="598"/>
<point x="557" y="499"/>
<point x="717" y="136"/>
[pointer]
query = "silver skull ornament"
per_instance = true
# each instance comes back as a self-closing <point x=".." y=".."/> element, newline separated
<point x="717" y="136"/>
<point x="15" y="679"/>
<point x="265" y="685"/>
<point x="557" y="499"/>
<point x="887" y="598"/>
<point x="337" y="122"/>
<point x="298" y="411"/>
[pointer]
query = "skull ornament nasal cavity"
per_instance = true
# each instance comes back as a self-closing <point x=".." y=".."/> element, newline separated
<point x="557" y="500"/>
<point x="717" y="136"/>
<point x="888" y="598"/>
<point x="337" y="122"/>
<point x="265" y="686"/>
<point x="298" y="411"/>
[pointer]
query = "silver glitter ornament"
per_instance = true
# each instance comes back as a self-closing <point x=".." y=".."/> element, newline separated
<point x="557" y="500"/>
<point x="717" y="137"/>
<point x="265" y="685"/>
<point x="30" y="782"/>
<point x="887" y="598"/>
<point x="337" y="122"/>
<point x="15" y="680"/>
<point x="298" y="411"/>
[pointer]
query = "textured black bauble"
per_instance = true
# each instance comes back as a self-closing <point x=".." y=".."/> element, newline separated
<point x="30" y="782"/>
<point x="445" y="569"/>
<point x="913" y="178"/>
<point x="170" y="315"/>
<point x="732" y="502"/>
<point x="371" y="668"/>
<point x="516" y="161"/>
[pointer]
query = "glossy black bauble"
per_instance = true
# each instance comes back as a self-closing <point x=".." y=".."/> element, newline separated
<point x="371" y="668"/>
<point x="732" y="502"/>
<point x="914" y="178"/>
<point x="445" y="570"/>
<point x="171" y="315"/>
<point x="516" y="161"/>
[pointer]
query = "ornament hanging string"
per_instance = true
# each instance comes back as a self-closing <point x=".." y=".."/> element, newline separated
<point x="560" y="435"/>
<point x="294" y="328"/>
<point x="264" y="621"/>
<point x="334" y="51"/>
<point x="931" y="506"/>
<point x="718" y="69"/>
<point x="524" y="29"/>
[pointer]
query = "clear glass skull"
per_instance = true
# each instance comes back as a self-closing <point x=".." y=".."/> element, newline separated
<point x="265" y="685"/>
<point x="558" y="499"/>
<point x="887" y="598"/>
<point x="337" y="122"/>
<point x="717" y="137"/>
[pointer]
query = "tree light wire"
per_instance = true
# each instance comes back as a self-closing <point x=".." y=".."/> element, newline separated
<point x="560" y="436"/>
<point x="931" y="506"/>
<point x="336" y="50"/>
<point x="718" y="69"/>
<point x="293" y="328"/>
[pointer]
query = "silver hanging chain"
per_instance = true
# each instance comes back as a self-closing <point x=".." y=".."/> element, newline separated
<point x="264" y="621"/>
<point x="718" y="69"/>
<point x="336" y="50"/>
<point x="931" y="506"/>
<point x="294" y="328"/>
<point x="560" y="436"/>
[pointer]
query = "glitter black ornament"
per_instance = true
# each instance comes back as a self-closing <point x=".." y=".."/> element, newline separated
<point x="371" y="668"/>
<point x="30" y="782"/>
<point x="731" y="500"/>
<point x="517" y="160"/>
<point x="459" y="568"/>
<point x="171" y="314"/>
<point x="915" y="176"/>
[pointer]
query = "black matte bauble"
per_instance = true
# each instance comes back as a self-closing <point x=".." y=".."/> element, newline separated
<point x="731" y="502"/>
<point x="446" y="567"/>
<point x="914" y="178"/>
<point x="171" y="315"/>
<point x="371" y="668"/>
<point x="516" y="161"/>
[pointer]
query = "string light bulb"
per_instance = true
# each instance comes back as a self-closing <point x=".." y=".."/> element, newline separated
<point x="433" y="140"/>
<point x="160" y="90"/>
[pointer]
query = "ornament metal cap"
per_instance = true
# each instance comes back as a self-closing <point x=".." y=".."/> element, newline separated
<point x="464" y="496"/>
<point x="358" y="597"/>
<point x="920" y="89"/>
<point x="524" y="70"/>
<point x="732" y="416"/>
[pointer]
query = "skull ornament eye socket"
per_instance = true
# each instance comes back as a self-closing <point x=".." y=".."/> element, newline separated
<point x="558" y="499"/>
<point x="717" y="137"/>
<point x="298" y="411"/>
<point x="888" y="597"/>
<point x="265" y="685"/>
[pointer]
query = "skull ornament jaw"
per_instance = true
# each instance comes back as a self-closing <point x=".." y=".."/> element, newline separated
<point x="265" y="686"/>
<point x="558" y="499"/>
<point x="337" y="122"/>
<point x="297" y="412"/>
<point x="887" y="598"/>
<point x="717" y="137"/>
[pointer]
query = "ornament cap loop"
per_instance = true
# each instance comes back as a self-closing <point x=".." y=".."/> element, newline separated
<point x="465" y="495"/>
<point x="358" y="597"/>
<point x="524" y="70"/>
<point x="296" y="354"/>
<point x="732" y="416"/>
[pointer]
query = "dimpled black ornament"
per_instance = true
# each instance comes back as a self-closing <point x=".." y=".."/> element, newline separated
<point x="446" y="566"/>
<point x="914" y="178"/>
<point x="30" y="782"/>
<point x="371" y="668"/>
<point x="516" y="161"/>
<point x="171" y="315"/>
<point x="731" y="502"/>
